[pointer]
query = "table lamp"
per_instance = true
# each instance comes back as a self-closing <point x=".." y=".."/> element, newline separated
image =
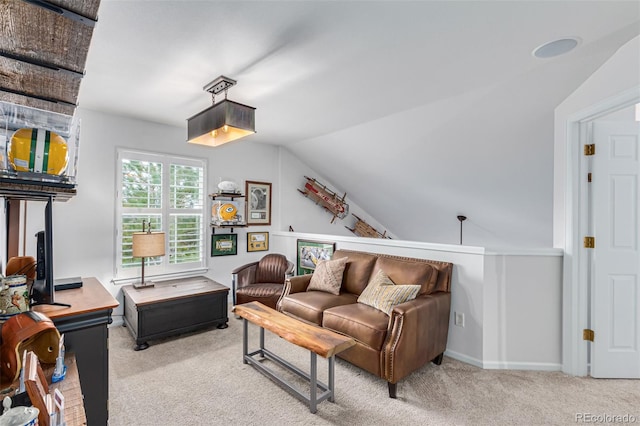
<point x="147" y="244"/>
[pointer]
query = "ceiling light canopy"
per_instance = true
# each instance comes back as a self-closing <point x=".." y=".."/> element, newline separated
<point x="222" y="122"/>
<point x="556" y="47"/>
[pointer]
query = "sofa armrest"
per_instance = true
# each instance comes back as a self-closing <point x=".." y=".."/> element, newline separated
<point x="417" y="334"/>
<point x="296" y="284"/>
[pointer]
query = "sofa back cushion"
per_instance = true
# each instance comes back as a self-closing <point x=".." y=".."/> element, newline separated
<point x="357" y="271"/>
<point x="404" y="270"/>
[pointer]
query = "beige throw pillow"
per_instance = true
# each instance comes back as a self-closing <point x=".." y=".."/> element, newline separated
<point x="328" y="276"/>
<point x="382" y="293"/>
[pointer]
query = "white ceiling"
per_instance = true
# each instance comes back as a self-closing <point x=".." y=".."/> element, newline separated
<point x="319" y="71"/>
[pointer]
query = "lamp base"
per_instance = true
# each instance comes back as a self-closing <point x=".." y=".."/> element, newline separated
<point x="146" y="284"/>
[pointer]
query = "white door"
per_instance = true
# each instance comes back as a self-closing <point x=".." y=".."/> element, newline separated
<point x="615" y="291"/>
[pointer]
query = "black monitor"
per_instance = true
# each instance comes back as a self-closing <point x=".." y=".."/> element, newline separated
<point x="42" y="290"/>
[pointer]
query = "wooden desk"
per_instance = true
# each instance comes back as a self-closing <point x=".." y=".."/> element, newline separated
<point x="173" y="307"/>
<point x="84" y="325"/>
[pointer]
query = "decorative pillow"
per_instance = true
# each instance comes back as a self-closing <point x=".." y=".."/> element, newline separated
<point x="381" y="293"/>
<point x="328" y="276"/>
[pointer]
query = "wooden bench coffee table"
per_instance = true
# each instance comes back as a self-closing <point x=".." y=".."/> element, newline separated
<point x="318" y="341"/>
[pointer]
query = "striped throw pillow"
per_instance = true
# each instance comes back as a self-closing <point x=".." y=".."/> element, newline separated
<point x="382" y="293"/>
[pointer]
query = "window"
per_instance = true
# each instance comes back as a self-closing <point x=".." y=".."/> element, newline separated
<point x="166" y="192"/>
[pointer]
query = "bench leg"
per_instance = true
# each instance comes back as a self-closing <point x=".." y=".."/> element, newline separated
<point x="245" y="339"/>
<point x="262" y="342"/>
<point x="313" y="397"/>
<point x="332" y="380"/>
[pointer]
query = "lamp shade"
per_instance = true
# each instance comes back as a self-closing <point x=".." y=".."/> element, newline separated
<point x="223" y="122"/>
<point x="148" y="244"/>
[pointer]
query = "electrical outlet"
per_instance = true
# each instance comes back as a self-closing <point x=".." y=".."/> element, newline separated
<point x="459" y="319"/>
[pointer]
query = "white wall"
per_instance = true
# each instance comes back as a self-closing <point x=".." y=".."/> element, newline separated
<point x="307" y="216"/>
<point x="511" y="300"/>
<point x="523" y="310"/>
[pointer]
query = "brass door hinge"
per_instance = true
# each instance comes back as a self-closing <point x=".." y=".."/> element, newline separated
<point x="588" y="177"/>
<point x="590" y="149"/>
<point x="588" y="335"/>
<point x="589" y="242"/>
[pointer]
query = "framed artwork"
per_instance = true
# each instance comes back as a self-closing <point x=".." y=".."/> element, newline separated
<point x="224" y="244"/>
<point x="257" y="241"/>
<point x="309" y="253"/>
<point x="258" y="203"/>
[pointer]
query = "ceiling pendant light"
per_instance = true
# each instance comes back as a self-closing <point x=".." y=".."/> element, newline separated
<point x="222" y="122"/>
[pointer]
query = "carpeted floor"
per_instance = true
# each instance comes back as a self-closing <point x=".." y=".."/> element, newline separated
<point x="199" y="379"/>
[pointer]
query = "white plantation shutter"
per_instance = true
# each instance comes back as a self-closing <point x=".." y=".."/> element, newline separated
<point x="169" y="193"/>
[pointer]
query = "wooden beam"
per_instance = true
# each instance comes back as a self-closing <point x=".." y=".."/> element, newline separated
<point x="13" y="227"/>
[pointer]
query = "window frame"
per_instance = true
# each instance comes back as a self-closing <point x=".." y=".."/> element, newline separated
<point x="164" y="268"/>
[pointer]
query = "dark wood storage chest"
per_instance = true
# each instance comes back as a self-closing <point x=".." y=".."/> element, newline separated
<point x="174" y="307"/>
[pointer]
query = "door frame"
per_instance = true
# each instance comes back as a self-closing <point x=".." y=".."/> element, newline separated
<point x="575" y="287"/>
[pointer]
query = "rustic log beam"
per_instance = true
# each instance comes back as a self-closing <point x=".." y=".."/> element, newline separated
<point x="69" y="14"/>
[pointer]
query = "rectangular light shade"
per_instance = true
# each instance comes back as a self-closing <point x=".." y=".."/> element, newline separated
<point x="223" y="122"/>
<point x="147" y="244"/>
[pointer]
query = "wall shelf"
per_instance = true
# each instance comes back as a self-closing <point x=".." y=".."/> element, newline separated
<point x="226" y="200"/>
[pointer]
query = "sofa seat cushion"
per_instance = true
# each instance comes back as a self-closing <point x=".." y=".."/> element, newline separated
<point x="364" y="323"/>
<point x="309" y="305"/>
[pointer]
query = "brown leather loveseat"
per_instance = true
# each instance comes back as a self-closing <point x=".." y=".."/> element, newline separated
<point x="389" y="346"/>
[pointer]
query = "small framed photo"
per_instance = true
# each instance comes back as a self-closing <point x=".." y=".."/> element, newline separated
<point x="224" y="244"/>
<point x="257" y="241"/>
<point x="258" y="203"/>
<point x="309" y="253"/>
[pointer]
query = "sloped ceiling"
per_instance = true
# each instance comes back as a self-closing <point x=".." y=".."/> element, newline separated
<point x="420" y="110"/>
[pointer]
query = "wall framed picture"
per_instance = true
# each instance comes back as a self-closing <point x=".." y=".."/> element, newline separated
<point x="309" y="253"/>
<point x="258" y="202"/>
<point x="257" y="241"/>
<point x="224" y="244"/>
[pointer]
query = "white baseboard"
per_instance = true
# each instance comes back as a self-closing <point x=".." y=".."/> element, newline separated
<point x="533" y="366"/>
<point x="463" y="358"/>
<point x="502" y="365"/>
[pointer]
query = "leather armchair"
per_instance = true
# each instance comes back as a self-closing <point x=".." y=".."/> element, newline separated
<point x="262" y="281"/>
